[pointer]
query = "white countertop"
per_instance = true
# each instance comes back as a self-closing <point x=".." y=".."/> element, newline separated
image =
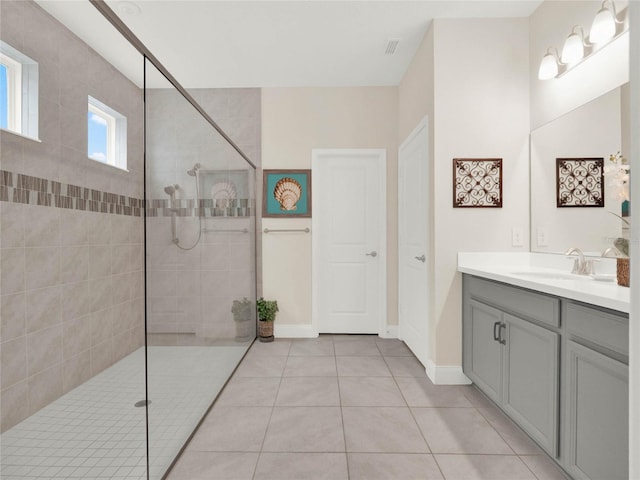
<point x="547" y="273"/>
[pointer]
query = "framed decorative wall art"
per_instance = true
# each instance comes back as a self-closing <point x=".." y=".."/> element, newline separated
<point x="287" y="193"/>
<point x="580" y="182"/>
<point x="477" y="183"/>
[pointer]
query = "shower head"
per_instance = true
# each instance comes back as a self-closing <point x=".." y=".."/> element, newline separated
<point x="194" y="171"/>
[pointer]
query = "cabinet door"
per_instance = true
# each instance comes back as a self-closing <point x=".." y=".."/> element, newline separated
<point x="531" y="385"/>
<point x="598" y="415"/>
<point x="485" y="358"/>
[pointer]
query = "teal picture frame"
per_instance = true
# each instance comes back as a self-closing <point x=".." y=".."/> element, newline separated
<point x="286" y="194"/>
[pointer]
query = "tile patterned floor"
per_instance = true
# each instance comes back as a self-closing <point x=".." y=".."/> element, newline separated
<point x="96" y="432"/>
<point x="353" y="407"/>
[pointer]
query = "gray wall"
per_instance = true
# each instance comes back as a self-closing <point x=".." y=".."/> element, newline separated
<point x="72" y="279"/>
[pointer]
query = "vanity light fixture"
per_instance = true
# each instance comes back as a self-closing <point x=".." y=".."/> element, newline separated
<point x="604" y="25"/>
<point x="604" y="30"/>
<point x="550" y="65"/>
<point x="573" y="50"/>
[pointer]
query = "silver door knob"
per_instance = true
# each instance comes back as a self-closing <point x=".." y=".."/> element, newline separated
<point x="422" y="258"/>
<point x="372" y="254"/>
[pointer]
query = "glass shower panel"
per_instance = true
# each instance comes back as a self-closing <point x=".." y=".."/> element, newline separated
<point x="72" y="332"/>
<point x="200" y="266"/>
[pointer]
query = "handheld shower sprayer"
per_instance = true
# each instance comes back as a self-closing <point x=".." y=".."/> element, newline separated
<point x="171" y="190"/>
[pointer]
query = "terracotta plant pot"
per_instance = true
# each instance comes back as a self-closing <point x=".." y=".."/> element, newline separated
<point x="623" y="272"/>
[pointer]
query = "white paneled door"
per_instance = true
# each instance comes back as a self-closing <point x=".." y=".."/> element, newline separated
<point x="349" y="241"/>
<point x="413" y="238"/>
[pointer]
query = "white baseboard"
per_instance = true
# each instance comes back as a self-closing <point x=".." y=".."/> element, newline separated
<point x="307" y="331"/>
<point x="294" y="331"/>
<point x="391" y="332"/>
<point x="446" y="374"/>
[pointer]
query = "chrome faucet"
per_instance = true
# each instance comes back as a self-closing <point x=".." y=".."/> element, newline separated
<point x="581" y="266"/>
<point x="611" y="252"/>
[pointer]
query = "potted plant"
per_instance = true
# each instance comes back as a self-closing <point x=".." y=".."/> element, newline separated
<point x="242" y="313"/>
<point x="267" y="310"/>
<point x="617" y="172"/>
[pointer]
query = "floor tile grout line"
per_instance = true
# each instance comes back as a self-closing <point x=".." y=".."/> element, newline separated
<point x="528" y="467"/>
<point x="344" y="430"/>
<point x="497" y="431"/>
<point x="409" y="408"/>
<point x="266" y="430"/>
<point x="544" y="455"/>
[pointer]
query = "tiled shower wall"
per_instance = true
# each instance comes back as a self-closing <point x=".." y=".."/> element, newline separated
<point x="191" y="292"/>
<point x="72" y="279"/>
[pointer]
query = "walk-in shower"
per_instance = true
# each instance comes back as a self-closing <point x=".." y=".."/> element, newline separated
<point x="117" y="283"/>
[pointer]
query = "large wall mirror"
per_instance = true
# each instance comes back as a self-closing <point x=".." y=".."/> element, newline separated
<point x="595" y="130"/>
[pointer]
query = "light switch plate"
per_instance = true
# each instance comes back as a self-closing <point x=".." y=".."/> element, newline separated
<point x="542" y="237"/>
<point x="517" y="239"/>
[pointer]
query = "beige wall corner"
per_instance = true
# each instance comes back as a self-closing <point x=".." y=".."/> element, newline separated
<point x="416" y="101"/>
<point x="295" y="121"/>
<point x="482" y="107"/>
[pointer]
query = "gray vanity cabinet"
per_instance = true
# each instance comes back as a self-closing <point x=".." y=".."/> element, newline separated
<point x="596" y="394"/>
<point x="484" y="359"/>
<point x="515" y="362"/>
<point x="531" y="383"/>
<point x="557" y="367"/>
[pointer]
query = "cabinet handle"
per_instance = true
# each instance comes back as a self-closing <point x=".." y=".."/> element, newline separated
<point x="496" y="331"/>
<point x="500" y="339"/>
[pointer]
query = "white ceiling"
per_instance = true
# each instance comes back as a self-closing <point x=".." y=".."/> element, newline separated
<point x="266" y="43"/>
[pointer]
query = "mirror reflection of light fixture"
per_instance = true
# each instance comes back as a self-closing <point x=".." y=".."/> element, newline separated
<point x="549" y="66"/>
<point x="573" y="50"/>
<point x="604" y="26"/>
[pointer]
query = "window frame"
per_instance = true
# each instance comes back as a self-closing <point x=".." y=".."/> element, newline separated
<point x="14" y="92"/>
<point x="116" y="154"/>
<point x="22" y="91"/>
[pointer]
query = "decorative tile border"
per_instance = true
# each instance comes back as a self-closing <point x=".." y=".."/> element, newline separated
<point x="19" y="188"/>
<point x="207" y="207"/>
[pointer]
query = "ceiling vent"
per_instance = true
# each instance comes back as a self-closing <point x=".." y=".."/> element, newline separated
<point x="392" y="45"/>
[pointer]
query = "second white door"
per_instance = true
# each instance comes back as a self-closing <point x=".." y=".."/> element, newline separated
<point x="413" y="242"/>
<point x="349" y="241"/>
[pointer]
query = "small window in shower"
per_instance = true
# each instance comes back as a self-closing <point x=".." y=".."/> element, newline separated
<point x="18" y="92"/>
<point x="106" y="135"/>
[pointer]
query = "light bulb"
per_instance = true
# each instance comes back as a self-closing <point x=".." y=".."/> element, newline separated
<point x="573" y="49"/>
<point x="548" y="67"/>
<point x="603" y="27"/>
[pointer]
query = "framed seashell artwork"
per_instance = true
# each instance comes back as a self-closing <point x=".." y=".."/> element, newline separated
<point x="226" y="193"/>
<point x="287" y="193"/>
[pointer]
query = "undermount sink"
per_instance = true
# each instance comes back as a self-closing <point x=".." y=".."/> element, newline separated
<point x="550" y="275"/>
